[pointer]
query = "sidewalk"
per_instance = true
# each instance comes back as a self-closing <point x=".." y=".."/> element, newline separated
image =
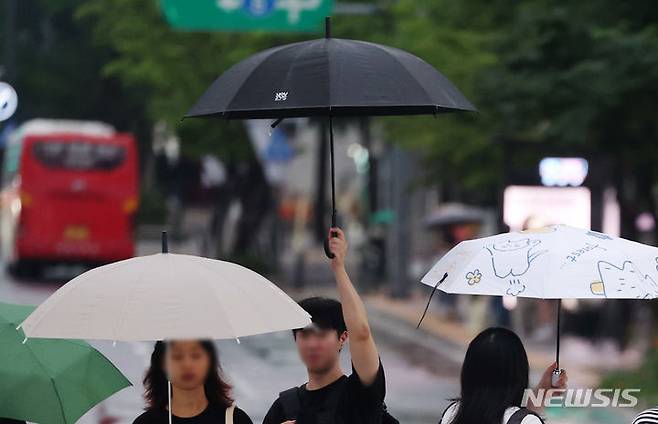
<point x="585" y="362"/>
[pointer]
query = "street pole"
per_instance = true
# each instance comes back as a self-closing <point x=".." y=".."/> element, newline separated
<point x="399" y="244"/>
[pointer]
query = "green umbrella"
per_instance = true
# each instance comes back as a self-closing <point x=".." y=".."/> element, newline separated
<point x="47" y="380"/>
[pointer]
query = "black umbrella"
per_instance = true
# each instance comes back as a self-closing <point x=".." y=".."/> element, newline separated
<point x="329" y="77"/>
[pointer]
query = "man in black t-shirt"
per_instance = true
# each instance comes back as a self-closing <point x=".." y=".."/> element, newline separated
<point x="330" y="397"/>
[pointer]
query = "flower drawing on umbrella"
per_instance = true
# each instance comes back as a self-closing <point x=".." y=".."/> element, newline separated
<point x="513" y="257"/>
<point x="473" y="277"/>
<point x="624" y="279"/>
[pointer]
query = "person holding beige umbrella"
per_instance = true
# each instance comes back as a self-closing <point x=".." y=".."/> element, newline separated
<point x="166" y="297"/>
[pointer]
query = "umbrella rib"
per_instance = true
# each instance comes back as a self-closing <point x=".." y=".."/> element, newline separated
<point x="467" y="267"/>
<point x="401" y="64"/>
<point x="61" y="404"/>
<point x="94" y="350"/>
<point x="228" y="108"/>
<point x="203" y="265"/>
<point x="122" y="320"/>
<point x="52" y="381"/>
<point x="246" y="295"/>
<point x="51" y="303"/>
<point x="292" y="62"/>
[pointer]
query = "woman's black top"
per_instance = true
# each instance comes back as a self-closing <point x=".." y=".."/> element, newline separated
<point x="213" y="414"/>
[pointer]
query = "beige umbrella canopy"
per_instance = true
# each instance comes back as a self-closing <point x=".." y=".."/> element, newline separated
<point x="163" y="297"/>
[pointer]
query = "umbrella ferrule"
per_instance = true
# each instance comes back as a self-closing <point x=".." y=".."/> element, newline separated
<point x="165" y="243"/>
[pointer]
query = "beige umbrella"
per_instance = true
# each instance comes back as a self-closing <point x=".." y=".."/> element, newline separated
<point x="165" y="296"/>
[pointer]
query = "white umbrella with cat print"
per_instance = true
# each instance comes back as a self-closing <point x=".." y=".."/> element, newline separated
<point x="554" y="262"/>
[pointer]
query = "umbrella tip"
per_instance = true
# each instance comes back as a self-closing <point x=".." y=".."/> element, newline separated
<point x="165" y="244"/>
<point x="327" y="27"/>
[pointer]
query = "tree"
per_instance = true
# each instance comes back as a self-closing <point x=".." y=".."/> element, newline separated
<point x="584" y="76"/>
<point x="58" y="70"/>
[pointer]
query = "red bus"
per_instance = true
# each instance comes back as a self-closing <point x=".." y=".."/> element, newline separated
<point x="69" y="194"/>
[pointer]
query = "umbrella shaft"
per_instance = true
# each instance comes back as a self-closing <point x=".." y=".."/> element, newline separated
<point x="557" y="345"/>
<point x="333" y="171"/>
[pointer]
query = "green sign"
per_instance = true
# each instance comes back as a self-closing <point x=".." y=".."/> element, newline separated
<point x="247" y="15"/>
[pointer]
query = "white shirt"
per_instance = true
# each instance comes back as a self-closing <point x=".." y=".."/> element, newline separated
<point x="451" y="412"/>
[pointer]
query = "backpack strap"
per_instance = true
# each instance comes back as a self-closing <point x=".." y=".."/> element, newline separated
<point x="290" y="403"/>
<point x="229" y="414"/>
<point x="519" y="415"/>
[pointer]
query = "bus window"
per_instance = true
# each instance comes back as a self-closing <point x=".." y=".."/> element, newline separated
<point x="79" y="156"/>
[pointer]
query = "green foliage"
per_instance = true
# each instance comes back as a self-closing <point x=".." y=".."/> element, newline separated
<point x="575" y="81"/>
<point x="645" y="378"/>
<point x="174" y="67"/>
<point x="575" y="74"/>
<point x="458" y="39"/>
<point x="58" y="69"/>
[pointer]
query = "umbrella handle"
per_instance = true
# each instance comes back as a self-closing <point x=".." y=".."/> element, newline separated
<point x="334" y="221"/>
<point x="555" y="376"/>
<point x="327" y="251"/>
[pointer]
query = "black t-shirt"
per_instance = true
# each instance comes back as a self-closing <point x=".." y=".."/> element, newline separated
<point x="213" y="414"/>
<point x="358" y="404"/>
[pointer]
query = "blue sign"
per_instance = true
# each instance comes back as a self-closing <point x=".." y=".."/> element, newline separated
<point x="259" y="7"/>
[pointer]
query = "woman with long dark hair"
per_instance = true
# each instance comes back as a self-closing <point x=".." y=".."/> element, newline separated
<point x="199" y="393"/>
<point x="494" y="379"/>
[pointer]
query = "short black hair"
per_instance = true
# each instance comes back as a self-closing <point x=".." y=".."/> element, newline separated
<point x="326" y="313"/>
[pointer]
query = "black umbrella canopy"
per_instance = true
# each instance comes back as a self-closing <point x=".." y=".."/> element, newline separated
<point x="329" y="76"/>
